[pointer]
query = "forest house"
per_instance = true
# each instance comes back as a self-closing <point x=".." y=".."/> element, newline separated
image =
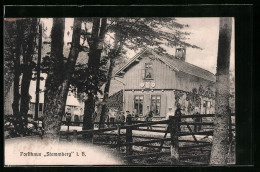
<point x="161" y="82"/>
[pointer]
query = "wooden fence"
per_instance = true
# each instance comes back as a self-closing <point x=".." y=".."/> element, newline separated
<point x="182" y="145"/>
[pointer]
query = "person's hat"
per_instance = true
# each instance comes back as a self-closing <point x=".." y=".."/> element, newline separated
<point x="170" y="107"/>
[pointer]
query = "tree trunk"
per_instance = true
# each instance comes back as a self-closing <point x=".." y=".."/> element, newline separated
<point x="96" y="46"/>
<point x="17" y="72"/>
<point x="106" y="92"/>
<point x="38" y="72"/>
<point x="10" y="42"/>
<point x="220" y="138"/>
<point x="112" y="58"/>
<point x="58" y="80"/>
<point x="52" y="98"/>
<point x="28" y="52"/>
<point x="70" y="65"/>
<point x="89" y="109"/>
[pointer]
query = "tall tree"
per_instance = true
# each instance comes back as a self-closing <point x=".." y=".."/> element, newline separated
<point x="17" y="69"/>
<point x="19" y="46"/>
<point x="17" y="72"/>
<point x="28" y="47"/>
<point x="10" y="42"/>
<point x="219" y="150"/>
<point x="113" y="55"/>
<point x="95" y="42"/>
<point x="59" y="75"/>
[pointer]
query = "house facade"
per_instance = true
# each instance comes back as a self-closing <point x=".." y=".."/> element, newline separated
<point x="161" y="82"/>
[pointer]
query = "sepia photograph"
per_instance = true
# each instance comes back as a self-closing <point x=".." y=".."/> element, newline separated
<point x="119" y="91"/>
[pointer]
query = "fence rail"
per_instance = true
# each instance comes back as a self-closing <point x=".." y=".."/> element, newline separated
<point x="125" y="135"/>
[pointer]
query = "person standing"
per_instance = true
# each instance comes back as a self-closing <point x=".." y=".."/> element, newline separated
<point x="107" y="117"/>
<point x="128" y="114"/>
<point x="122" y="117"/>
<point x="197" y="127"/>
<point x="170" y="113"/>
<point x="148" y="117"/>
<point x="135" y="115"/>
<point x="178" y="114"/>
<point x="112" y="116"/>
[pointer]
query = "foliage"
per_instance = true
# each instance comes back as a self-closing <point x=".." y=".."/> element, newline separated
<point x="11" y="126"/>
<point x="123" y="34"/>
<point x="178" y="94"/>
<point x="84" y="79"/>
<point x="151" y="31"/>
<point x="9" y="51"/>
<point x="194" y="97"/>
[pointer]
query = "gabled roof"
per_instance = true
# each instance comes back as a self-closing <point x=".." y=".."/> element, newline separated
<point x="175" y="64"/>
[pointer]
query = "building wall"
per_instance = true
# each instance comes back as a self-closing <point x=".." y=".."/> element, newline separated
<point x="8" y="101"/>
<point x="72" y="101"/>
<point x="161" y="72"/>
<point x="32" y="109"/>
<point x="166" y="82"/>
<point x="164" y="77"/>
<point x="187" y="82"/>
<point x="167" y="100"/>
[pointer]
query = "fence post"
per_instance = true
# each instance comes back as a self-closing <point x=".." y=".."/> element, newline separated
<point x="118" y="138"/>
<point x="174" y="128"/>
<point x="68" y="131"/>
<point x="74" y="136"/>
<point x="129" y="137"/>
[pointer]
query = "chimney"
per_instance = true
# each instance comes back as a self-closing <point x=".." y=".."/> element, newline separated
<point x="180" y="53"/>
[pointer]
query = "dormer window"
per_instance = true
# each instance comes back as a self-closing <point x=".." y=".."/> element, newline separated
<point x="147" y="71"/>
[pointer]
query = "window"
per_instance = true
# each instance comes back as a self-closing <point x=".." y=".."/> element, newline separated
<point x="156" y="104"/>
<point x="138" y="104"/>
<point x="32" y="105"/>
<point x="207" y="104"/>
<point x="148" y="71"/>
<point x="40" y="106"/>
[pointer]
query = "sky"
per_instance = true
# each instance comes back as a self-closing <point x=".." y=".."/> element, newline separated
<point x="204" y="34"/>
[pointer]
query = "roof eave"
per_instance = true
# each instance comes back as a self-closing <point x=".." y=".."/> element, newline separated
<point x="133" y="59"/>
